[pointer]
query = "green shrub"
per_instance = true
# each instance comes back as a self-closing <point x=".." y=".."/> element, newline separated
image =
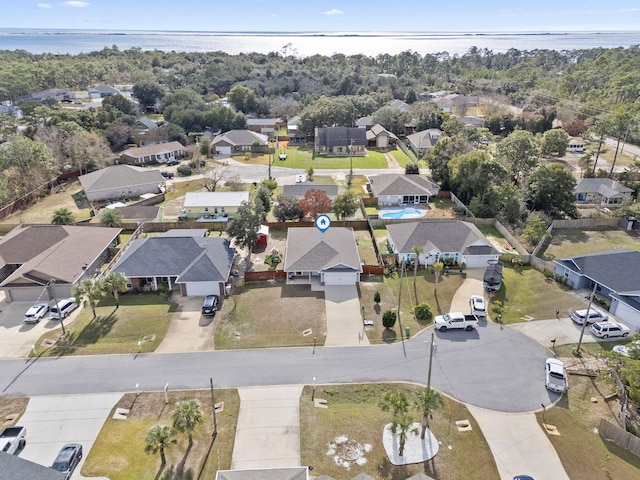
<point x="389" y="319"/>
<point x="185" y="170"/>
<point x="422" y="311"/>
<point x="376" y="297"/>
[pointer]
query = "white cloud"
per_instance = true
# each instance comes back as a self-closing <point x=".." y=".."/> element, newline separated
<point x="333" y="11"/>
<point x="625" y="10"/>
<point x="75" y="4"/>
<point x="43" y="5"/>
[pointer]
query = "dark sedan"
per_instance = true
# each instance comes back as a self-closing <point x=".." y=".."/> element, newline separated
<point x="68" y="459"/>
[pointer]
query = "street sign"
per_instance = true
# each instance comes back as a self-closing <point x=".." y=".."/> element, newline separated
<point x="323" y="222"/>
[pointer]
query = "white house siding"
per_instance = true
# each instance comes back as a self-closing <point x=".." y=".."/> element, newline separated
<point x="120" y="192"/>
<point x="195" y="289"/>
<point x="340" y="278"/>
<point x="627" y="314"/>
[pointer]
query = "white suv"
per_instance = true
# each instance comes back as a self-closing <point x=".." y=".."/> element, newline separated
<point x="609" y="329"/>
<point x="595" y="315"/>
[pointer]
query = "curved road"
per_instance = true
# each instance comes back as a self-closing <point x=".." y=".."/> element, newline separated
<point x="495" y="368"/>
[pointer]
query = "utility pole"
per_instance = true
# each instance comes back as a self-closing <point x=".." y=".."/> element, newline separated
<point x="586" y="318"/>
<point x="52" y="286"/>
<point x="213" y="405"/>
<point x="350" y="162"/>
<point x="400" y="292"/>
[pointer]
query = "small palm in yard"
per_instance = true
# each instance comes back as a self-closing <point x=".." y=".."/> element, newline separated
<point x="396" y="402"/>
<point x="114" y="283"/>
<point x="425" y="400"/>
<point x="91" y="291"/>
<point x="186" y="416"/>
<point x="63" y="216"/>
<point x="111" y="218"/>
<point x="417" y="250"/>
<point x="401" y="425"/>
<point x="157" y="440"/>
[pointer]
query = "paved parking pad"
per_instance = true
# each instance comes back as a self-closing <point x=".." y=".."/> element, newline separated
<point x="53" y="421"/>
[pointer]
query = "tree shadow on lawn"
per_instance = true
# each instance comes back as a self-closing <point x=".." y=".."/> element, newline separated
<point x="396" y="472"/>
<point x="389" y="336"/>
<point x="94" y="331"/>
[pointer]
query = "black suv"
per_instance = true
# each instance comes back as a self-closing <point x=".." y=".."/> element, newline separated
<point x="210" y="305"/>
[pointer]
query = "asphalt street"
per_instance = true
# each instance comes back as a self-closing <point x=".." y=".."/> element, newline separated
<point x="496" y="368"/>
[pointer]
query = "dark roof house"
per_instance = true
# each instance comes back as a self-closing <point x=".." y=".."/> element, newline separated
<point x="340" y="140"/>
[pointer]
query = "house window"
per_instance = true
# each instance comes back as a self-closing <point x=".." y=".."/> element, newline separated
<point x="424" y="199"/>
<point x="566" y="274"/>
<point x="206" y="209"/>
<point x="222" y="209"/>
<point x="215" y="210"/>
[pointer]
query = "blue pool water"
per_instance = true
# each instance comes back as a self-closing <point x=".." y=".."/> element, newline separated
<point x="402" y="212"/>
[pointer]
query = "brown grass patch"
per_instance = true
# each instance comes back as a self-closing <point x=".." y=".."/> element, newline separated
<point x="12" y="406"/>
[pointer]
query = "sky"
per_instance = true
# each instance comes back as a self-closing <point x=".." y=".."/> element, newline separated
<point x="325" y="15"/>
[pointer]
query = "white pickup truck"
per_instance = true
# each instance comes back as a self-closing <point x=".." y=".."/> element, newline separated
<point x="455" y="320"/>
<point x="13" y="439"/>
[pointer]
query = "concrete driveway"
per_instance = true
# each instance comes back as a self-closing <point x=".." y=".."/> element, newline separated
<point x="190" y="331"/>
<point x="17" y="337"/>
<point x="562" y="329"/>
<point x="344" y="320"/>
<point x="471" y="286"/>
<point x="53" y="421"/>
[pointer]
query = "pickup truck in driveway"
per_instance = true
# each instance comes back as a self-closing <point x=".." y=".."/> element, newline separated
<point x="13" y="439"/>
<point x="453" y="320"/>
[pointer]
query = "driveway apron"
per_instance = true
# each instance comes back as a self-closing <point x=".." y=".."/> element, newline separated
<point x="52" y="421"/>
<point x="344" y="319"/>
<point x="471" y="286"/>
<point x="519" y="445"/>
<point x="268" y="429"/>
<point x="190" y="331"/>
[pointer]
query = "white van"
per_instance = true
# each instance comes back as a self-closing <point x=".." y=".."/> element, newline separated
<point x="578" y="316"/>
<point x="63" y="308"/>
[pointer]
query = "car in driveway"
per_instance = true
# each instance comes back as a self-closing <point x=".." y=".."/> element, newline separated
<point x="555" y="375"/>
<point x="64" y="308"/>
<point x="595" y="315"/>
<point x="478" y="305"/>
<point x="170" y="163"/>
<point x="210" y="305"/>
<point x="609" y="329"/>
<point x="68" y="459"/>
<point x="36" y="312"/>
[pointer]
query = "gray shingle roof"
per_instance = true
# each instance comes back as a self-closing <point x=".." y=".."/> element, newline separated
<point x="156" y="149"/>
<point x="340" y="136"/>
<point x="139" y="212"/>
<point x="15" y="468"/>
<point x="402" y="184"/>
<point x="191" y="259"/>
<point x="300" y="189"/>
<point x="309" y="250"/>
<point x="456" y="236"/>
<point x="240" y="137"/>
<point x="426" y="138"/>
<point x="617" y="269"/>
<point x="603" y="186"/>
<point x="119" y="176"/>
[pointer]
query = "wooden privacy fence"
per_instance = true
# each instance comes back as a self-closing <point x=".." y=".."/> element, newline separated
<point x="264" y="276"/>
<point x="620" y="437"/>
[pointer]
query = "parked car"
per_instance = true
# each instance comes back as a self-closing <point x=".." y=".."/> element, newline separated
<point x="522" y="477"/>
<point x="173" y="162"/>
<point x="36" y="312"/>
<point x="455" y="320"/>
<point x="609" y="329"/>
<point x="167" y="174"/>
<point x="12" y="439"/>
<point x="555" y="375"/>
<point x="632" y="350"/>
<point x="68" y="459"/>
<point x="63" y="308"/>
<point x="210" y="305"/>
<point x="595" y="315"/>
<point x="478" y="305"/>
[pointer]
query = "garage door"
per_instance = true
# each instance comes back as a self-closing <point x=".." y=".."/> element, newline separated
<point x="340" y="278"/>
<point x="627" y="314"/>
<point x="223" y="150"/>
<point x="478" y="261"/>
<point x="27" y="294"/>
<point x="196" y="289"/>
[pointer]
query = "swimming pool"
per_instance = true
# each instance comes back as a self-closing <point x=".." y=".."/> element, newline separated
<point x="402" y="212"/>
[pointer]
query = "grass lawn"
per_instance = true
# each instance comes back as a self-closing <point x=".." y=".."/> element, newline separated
<point x="365" y="247"/>
<point x="583" y="453"/>
<point x="302" y="157"/>
<point x="528" y="292"/>
<point x="570" y="242"/>
<point x="271" y="315"/>
<point x="119" y="452"/>
<point x="439" y="299"/>
<point x="400" y="157"/>
<point x="115" y="331"/>
<point x="353" y="412"/>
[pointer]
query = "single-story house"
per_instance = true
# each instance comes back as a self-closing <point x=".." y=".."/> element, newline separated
<point x="57" y="94"/>
<point x="266" y="126"/>
<point x="472" y="121"/>
<point x="32" y="256"/>
<point x="240" y="141"/>
<point x="446" y="104"/>
<point x="102" y="91"/>
<point x="422" y="142"/>
<point x="330" y="258"/>
<point x="158" y="153"/>
<point x="139" y="213"/>
<point x="380" y="137"/>
<point x="16" y="468"/>
<point x="299" y="190"/>
<point x="340" y="141"/>
<point x="402" y="189"/>
<point x="198" y="265"/>
<point x="441" y="241"/>
<point x="576" y="145"/>
<point x="615" y="275"/>
<point x="462" y="101"/>
<point x="602" y="191"/>
<point x="144" y="124"/>
<point x="206" y="204"/>
<point x="364" y="122"/>
<point x="399" y="105"/>
<point x="296" y="136"/>
<point x="121" y="181"/>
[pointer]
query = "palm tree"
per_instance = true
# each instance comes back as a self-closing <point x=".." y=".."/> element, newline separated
<point x="401" y="426"/>
<point x="157" y="440"/>
<point x="438" y="267"/>
<point x="397" y="402"/>
<point x="425" y="400"/>
<point x="417" y="250"/>
<point x="91" y="291"/>
<point x="63" y="216"/>
<point x="114" y="283"/>
<point x="186" y="416"/>
<point x="111" y="218"/>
